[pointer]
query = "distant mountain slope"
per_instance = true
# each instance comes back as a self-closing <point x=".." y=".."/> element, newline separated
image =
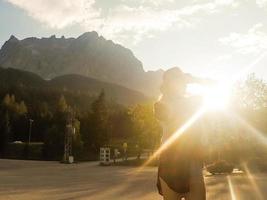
<point x="15" y="77"/>
<point x="80" y="83"/>
<point x="75" y="83"/>
<point x="88" y="55"/>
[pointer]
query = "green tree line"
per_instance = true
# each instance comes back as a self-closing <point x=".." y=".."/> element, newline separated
<point x="97" y="124"/>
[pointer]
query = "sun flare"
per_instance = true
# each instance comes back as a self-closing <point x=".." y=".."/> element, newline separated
<point x="214" y="97"/>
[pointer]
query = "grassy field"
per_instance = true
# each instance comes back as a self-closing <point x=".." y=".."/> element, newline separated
<point x="24" y="180"/>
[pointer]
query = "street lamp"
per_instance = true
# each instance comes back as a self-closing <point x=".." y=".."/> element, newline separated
<point x="30" y="130"/>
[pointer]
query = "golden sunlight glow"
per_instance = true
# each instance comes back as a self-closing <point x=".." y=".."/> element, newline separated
<point x="260" y="136"/>
<point x="232" y="192"/>
<point x="175" y="136"/>
<point x="215" y="97"/>
<point x="253" y="183"/>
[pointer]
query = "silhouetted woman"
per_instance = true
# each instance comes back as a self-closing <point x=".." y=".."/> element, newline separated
<point x="181" y="163"/>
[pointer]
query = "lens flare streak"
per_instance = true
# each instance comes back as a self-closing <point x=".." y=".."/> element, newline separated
<point x="231" y="188"/>
<point x="253" y="183"/>
<point x="176" y="135"/>
<point x="258" y="134"/>
<point x="202" y="110"/>
<point x="247" y="69"/>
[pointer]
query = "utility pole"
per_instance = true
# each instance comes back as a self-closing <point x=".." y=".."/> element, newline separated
<point x="68" y="158"/>
<point x="30" y="130"/>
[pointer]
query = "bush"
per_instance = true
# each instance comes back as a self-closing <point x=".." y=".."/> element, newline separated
<point x="15" y="150"/>
<point x="137" y="163"/>
<point x="33" y="151"/>
<point x="257" y="165"/>
<point x="220" y="167"/>
<point x="54" y="144"/>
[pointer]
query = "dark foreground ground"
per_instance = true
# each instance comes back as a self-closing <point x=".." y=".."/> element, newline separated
<point x="50" y="180"/>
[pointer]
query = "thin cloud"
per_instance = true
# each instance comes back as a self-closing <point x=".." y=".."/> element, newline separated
<point x="58" y="14"/>
<point x="252" y="42"/>
<point x="141" y="20"/>
<point x="261" y="3"/>
<point x="149" y="2"/>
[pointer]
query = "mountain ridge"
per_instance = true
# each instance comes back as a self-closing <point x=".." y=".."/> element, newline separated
<point x="89" y="54"/>
<point x="10" y="77"/>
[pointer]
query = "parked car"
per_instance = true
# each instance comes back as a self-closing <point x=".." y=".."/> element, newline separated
<point x="220" y="167"/>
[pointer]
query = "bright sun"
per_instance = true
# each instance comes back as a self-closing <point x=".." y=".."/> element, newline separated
<point x="215" y="97"/>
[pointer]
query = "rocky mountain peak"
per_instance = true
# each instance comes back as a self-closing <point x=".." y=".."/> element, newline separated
<point x="89" y="55"/>
<point x="88" y="36"/>
<point x="13" y="39"/>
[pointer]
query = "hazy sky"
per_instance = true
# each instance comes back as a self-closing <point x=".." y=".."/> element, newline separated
<point x="203" y="37"/>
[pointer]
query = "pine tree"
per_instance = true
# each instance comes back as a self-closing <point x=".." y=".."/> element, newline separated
<point x="5" y="135"/>
<point x="62" y="105"/>
<point x="22" y="108"/>
<point x="54" y="137"/>
<point x="7" y="100"/>
<point x="98" y="124"/>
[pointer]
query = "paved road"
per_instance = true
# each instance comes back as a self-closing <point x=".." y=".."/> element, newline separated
<point x="26" y="180"/>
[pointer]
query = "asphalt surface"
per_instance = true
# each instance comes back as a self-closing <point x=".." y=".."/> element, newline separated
<point x="30" y="180"/>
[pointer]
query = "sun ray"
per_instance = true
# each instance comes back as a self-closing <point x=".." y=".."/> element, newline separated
<point x="257" y="133"/>
<point x="231" y="188"/>
<point x="175" y="136"/>
<point x="253" y="183"/>
<point x="202" y="110"/>
<point x="260" y="136"/>
<point x="247" y="69"/>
